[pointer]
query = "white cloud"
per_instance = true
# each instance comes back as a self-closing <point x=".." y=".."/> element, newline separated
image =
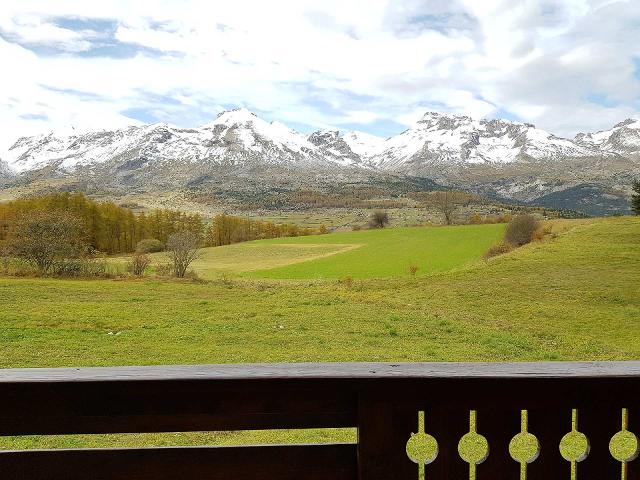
<point x="566" y="65"/>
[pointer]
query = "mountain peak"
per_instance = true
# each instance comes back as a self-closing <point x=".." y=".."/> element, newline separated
<point x="433" y="115"/>
<point x="237" y="115"/>
<point x="629" y="122"/>
<point x="443" y="121"/>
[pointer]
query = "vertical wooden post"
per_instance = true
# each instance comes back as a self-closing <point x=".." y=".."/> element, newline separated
<point x="383" y="431"/>
<point x="633" y="425"/>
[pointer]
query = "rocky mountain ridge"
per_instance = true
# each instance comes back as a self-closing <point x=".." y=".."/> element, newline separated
<point x="496" y="157"/>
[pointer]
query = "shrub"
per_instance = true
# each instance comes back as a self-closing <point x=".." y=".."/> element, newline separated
<point x="379" y="219"/>
<point x="44" y="238"/>
<point x="521" y="230"/>
<point x="4" y="257"/>
<point x="498" y="249"/>
<point x="164" y="269"/>
<point x="149" y="245"/>
<point x="138" y="264"/>
<point x="80" y="268"/>
<point x="538" y="235"/>
<point x="476" y="219"/>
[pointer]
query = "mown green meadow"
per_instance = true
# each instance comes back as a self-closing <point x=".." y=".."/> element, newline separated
<point x="366" y="254"/>
<point x="573" y="296"/>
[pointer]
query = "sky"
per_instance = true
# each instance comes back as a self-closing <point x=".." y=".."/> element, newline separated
<point x="567" y="66"/>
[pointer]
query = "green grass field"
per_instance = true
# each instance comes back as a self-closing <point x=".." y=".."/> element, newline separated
<point x="573" y="297"/>
<point x="364" y="254"/>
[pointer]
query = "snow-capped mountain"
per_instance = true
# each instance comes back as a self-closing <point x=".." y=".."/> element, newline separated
<point x="442" y="139"/>
<point x="239" y="151"/>
<point x="236" y="136"/>
<point x="333" y="146"/>
<point x="240" y="137"/>
<point x="623" y="138"/>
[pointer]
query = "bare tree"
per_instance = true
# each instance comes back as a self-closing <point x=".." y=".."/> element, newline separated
<point x="182" y="248"/>
<point x="447" y="202"/>
<point x="43" y="238"/>
<point x="379" y="219"/>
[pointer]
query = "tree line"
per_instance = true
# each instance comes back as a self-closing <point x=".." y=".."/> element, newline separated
<point x="102" y="226"/>
<point x="227" y="229"/>
<point x="112" y="229"/>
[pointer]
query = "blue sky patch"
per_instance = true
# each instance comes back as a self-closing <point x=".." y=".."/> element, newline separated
<point x="97" y="39"/>
<point x="34" y="116"/>
<point x="601" y="99"/>
<point x="82" y="95"/>
<point x="636" y="67"/>
<point x="382" y="127"/>
<point x="104" y="26"/>
<point x="144" y="114"/>
<point x="443" y="23"/>
<point x="153" y="108"/>
<point x="504" y="114"/>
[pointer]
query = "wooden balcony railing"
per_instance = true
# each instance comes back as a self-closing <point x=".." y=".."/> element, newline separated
<point x="381" y="400"/>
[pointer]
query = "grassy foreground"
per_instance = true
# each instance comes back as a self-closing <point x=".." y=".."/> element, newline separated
<point x="575" y="297"/>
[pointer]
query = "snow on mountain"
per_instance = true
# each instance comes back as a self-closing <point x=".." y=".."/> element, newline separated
<point x="363" y="144"/>
<point x="440" y="138"/>
<point x="239" y="137"/>
<point x="234" y="137"/>
<point x="69" y="151"/>
<point x="240" y="154"/>
<point x="333" y="146"/>
<point x="623" y="138"/>
<point x="251" y="131"/>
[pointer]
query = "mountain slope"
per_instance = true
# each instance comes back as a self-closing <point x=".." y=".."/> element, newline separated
<point x="623" y="138"/>
<point x="242" y="155"/>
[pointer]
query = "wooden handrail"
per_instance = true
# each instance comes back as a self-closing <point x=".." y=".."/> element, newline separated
<point x="381" y="400"/>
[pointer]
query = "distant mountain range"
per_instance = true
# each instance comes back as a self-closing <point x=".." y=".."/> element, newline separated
<point x="239" y="152"/>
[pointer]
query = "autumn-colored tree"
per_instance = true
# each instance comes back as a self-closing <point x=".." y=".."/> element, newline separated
<point x="106" y="227"/>
<point x="227" y="229"/>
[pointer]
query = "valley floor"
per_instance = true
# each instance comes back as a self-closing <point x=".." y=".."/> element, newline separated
<point x="573" y="297"/>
